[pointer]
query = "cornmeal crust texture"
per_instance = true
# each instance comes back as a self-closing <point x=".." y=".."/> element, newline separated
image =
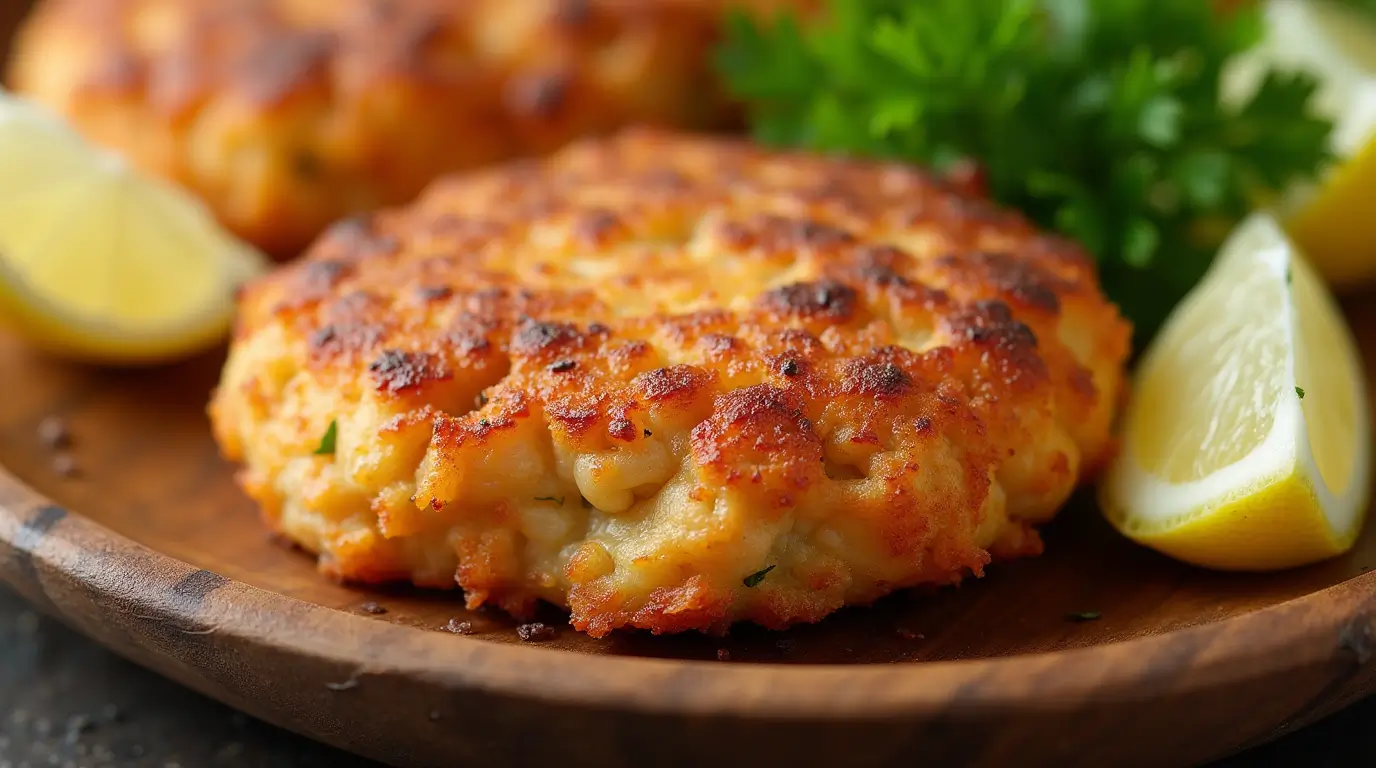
<point x="630" y="378"/>
<point x="286" y="114"/>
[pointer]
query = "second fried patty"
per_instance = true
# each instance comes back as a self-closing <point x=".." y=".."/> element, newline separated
<point x="284" y="115"/>
<point x="673" y="383"/>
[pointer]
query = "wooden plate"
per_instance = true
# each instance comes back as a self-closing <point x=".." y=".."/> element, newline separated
<point x="153" y="551"/>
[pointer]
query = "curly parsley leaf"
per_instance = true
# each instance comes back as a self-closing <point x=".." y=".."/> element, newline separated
<point x="1362" y="5"/>
<point x="1101" y="119"/>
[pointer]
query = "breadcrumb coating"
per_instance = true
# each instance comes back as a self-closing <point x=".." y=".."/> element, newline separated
<point x="285" y="115"/>
<point x="630" y="378"/>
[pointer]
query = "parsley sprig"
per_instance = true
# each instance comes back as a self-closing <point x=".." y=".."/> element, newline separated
<point x="1101" y="119"/>
<point x="1362" y="5"/>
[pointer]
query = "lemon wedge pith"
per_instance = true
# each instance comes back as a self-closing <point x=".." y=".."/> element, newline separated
<point x="99" y="262"/>
<point x="1247" y="444"/>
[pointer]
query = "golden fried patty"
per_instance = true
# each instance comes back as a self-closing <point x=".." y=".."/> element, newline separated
<point x="674" y="383"/>
<point x="286" y="114"/>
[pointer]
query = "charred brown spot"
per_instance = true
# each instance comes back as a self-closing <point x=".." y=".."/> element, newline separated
<point x="355" y="238"/>
<point x="922" y="424"/>
<point x="671" y="382"/>
<point x="563" y="366"/>
<point x="717" y="343"/>
<point x="573" y="416"/>
<point x="306" y="166"/>
<point x="540" y="96"/>
<point x="322" y="337"/>
<point x="823" y="299"/>
<point x="344" y="337"/>
<point x="1004" y="344"/>
<point x="434" y="292"/>
<point x="1016" y="278"/>
<point x="535" y="336"/>
<point x="882" y="276"/>
<point x="778" y="234"/>
<point x="819" y="235"/>
<point x="397" y="371"/>
<point x="992" y="323"/>
<point x="322" y="276"/>
<point x="596" y="227"/>
<point x="875" y="379"/>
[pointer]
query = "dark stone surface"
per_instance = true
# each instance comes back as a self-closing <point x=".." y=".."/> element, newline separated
<point x="67" y="702"/>
<point x="64" y="701"/>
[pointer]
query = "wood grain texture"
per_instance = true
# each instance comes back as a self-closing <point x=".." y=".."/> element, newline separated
<point x="154" y="552"/>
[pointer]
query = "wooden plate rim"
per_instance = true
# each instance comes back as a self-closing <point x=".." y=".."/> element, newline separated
<point x="55" y="554"/>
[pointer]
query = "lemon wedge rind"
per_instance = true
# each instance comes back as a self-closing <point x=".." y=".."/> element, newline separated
<point x="1272" y="507"/>
<point x="100" y="263"/>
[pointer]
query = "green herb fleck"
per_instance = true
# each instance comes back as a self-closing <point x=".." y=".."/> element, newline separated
<point x="1083" y="616"/>
<point x="1300" y="391"/>
<point x="1104" y="120"/>
<point x="754" y="579"/>
<point x="556" y="499"/>
<point x="326" y="447"/>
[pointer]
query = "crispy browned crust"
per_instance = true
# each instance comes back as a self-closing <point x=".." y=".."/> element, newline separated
<point x="287" y="114"/>
<point x="626" y="378"/>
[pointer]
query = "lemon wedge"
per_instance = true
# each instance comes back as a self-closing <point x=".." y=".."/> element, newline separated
<point x="100" y="263"/>
<point x="1247" y="443"/>
<point x="1336" y="44"/>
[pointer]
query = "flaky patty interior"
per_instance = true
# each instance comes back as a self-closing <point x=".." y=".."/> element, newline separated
<point x="631" y="378"/>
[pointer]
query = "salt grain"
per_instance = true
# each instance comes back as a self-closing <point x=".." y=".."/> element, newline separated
<point x="54" y="433"/>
